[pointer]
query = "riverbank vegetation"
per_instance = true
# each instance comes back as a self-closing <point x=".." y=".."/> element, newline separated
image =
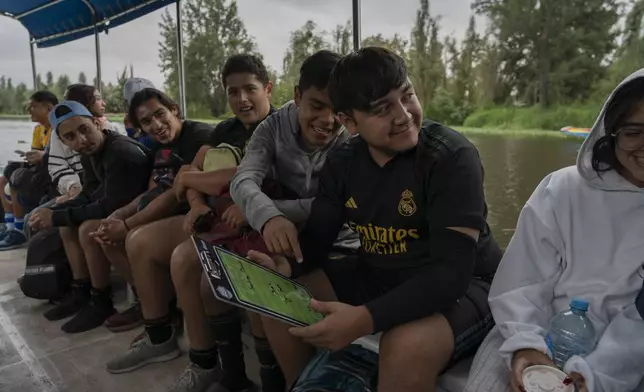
<point x="535" y="65"/>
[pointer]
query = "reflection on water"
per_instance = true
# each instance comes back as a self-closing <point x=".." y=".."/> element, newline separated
<point x="513" y="168"/>
<point x="11" y="133"/>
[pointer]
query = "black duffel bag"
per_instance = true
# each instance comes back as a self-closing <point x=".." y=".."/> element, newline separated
<point x="47" y="273"/>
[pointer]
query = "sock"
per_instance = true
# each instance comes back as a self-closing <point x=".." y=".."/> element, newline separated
<point x="102" y="296"/>
<point x="8" y="220"/>
<point x="205" y="359"/>
<point x="226" y="329"/>
<point x="19" y="224"/>
<point x="172" y="305"/>
<point x="159" y="330"/>
<point x="270" y="372"/>
<point x="81" y="284"/>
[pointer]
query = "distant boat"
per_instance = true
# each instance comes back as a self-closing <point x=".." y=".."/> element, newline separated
<point x="574" y="131"/>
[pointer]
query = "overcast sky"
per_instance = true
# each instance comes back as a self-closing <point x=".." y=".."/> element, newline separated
<point x="268" y="21"/>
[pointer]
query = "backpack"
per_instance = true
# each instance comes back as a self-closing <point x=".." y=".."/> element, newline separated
<point x="47" y="273"/>
<point x="352" y="369"/>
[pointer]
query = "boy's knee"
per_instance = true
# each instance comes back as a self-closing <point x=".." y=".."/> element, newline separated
<point x="184" y="264"/>
<point x="68" y="233"/>
<point x="428" y="343"/>
<point x="135" y="242"/>
<point x="86" y="229"/>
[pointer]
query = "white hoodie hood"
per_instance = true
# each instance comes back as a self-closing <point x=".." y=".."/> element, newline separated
<point x="579" y="235"/>
<point x="610" y="181"/>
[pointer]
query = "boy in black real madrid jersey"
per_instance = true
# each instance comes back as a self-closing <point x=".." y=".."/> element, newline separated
<point x="413" y="190"/>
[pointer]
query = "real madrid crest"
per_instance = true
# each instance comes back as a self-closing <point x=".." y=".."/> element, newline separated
<point x="407" y="206"/>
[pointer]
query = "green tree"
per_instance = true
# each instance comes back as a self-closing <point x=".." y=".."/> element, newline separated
<point x="168" y="53"/>
<point x="213" y="32"/>
<point x="82" y="79"/>
<point x="426" y="66"/>
<point x="464" y="79"/>
<point x="20" y="98"/>
<point x="39" y="84"/>
<point x="551" y="50"/>
<point x="49" y="80"/>
<point x="303" y="43"/>
<point x="396" y="44"/>
<point x="5" y="103"/>
<point x="629" y="55"/>
<point x="342" y="37"/>
<point x="113" y="94"/>
<point x="61" y="85"/>
<point x="489" y="80"/>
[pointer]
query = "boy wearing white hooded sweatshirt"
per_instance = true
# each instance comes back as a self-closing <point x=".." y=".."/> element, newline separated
<point x="579" y="235"/>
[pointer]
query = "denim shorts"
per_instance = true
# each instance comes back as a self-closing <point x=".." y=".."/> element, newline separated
<point x="353" y="369"/>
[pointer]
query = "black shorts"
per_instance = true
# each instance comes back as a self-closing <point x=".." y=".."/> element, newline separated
<point x="470" y="318"/>
<point x="11" y="167"/>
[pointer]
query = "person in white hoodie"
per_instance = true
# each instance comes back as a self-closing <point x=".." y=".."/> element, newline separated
<point x="579" y="235"/>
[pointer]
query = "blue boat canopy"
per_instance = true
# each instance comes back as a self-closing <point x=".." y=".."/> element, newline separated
<point x="54" y="22"/>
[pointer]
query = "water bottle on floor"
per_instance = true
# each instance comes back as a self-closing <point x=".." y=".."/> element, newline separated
<point x="571" y="333"/>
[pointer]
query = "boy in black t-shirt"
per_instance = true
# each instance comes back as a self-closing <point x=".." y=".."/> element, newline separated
<point x="115" y="171"/>
<point x="413" y="190"/>
<point x="248" y="89"/>
<point x="176" y="142"/>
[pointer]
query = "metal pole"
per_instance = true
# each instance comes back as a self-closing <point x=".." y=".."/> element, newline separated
<point x="33" y="64"/>
<point x="182" y="76"/>
<point x="356" y="25"/>
<point x="99" y="84"/>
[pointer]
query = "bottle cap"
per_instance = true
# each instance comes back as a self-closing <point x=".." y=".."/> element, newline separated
<point x="579" y="304"/>
<point x="541" y="378"/>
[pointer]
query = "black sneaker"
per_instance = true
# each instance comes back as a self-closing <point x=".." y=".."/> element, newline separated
<point x="93" y="315"/>
<point x="70" y="305"/>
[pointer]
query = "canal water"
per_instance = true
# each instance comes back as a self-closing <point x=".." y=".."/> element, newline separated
<point x="514" y="165"/>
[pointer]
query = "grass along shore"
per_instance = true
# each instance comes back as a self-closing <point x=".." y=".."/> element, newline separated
<point x="513" y="132"/>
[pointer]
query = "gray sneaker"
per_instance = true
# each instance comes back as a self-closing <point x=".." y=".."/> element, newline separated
<point x="142" y="352"/>
<point x="195" y="379"/>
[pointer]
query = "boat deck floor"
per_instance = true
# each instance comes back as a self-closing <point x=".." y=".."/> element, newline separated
<point x="36" y="356"/>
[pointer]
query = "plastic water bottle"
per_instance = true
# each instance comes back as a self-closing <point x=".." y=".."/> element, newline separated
<point x="571" y="333"/>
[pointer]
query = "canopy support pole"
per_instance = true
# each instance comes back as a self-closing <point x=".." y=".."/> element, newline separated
<point x="356" y="25"/>
<point x="182" y="76"/>
<point x="97" y="41"/>
<point x="33" y="64"/>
